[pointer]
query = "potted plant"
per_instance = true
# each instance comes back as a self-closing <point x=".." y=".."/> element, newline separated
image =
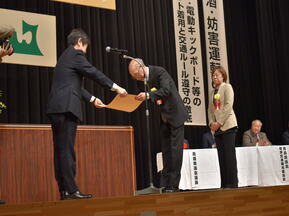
<point x="2" y="105"/>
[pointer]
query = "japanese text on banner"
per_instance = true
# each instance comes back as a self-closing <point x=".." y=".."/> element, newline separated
<point x="189" y="60"/>
<point x="216" y="48"/>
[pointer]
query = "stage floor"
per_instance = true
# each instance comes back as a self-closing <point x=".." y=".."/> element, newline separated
<point x="241" y="201"/>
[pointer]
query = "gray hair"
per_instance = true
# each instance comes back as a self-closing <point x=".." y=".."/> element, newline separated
<point x="257" y="121"/>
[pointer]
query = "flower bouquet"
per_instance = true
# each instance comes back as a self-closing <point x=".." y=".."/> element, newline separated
<point x="2" y="105"/>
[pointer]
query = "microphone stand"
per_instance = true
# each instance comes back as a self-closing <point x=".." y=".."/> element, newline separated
<point x="151" y="189"/>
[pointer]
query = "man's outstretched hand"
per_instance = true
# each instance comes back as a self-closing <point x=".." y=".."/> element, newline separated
<point x="98" y="103"/>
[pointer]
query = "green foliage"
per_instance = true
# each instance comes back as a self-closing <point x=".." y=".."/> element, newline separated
<point x="2" y="105"/>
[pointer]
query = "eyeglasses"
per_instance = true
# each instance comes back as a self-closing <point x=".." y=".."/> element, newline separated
<point x="216" y="75"/>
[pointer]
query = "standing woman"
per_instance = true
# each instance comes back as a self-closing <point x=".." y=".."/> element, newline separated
<point x="223" y="121"/>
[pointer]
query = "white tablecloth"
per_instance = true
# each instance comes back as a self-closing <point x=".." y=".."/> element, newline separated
<point x="247" y="165"/>
<point x="263" y="166"/>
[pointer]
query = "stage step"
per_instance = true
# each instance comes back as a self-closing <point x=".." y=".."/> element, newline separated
<point x="242" y="201"/>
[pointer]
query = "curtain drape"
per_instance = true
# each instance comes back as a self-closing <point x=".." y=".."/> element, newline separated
<point x="257" y="38"/>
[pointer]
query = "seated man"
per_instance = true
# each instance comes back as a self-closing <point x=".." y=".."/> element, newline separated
<point x="254" y="137"/>
<point x="208" y="140"/>
<point x="285" y="136"/>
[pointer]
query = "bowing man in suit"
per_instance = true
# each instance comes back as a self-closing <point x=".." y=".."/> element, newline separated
<point x="223" y="121"/>
<point x="64" y="108"/>
<point x="173" y="116"/>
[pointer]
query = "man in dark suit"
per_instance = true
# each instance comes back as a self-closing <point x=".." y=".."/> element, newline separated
<point x="208" y="140"/>
<point x="285" y="136"/>
<point x="173" y="115"/>
<point x="64" y="108"/>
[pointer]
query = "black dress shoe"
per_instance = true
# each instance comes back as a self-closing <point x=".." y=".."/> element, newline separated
<point x="76" y="195"/>
<point x="230" y="186"/>
<point x="62" y="195"/>
<point x="170" y="189"/>
<point x="2" y="202"/>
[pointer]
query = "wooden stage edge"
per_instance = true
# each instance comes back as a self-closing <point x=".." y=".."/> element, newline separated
<point x="241" y="201"/>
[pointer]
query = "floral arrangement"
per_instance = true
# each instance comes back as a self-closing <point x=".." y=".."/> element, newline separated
<point x="2" y="105"/>
<point x="217" y="101"/>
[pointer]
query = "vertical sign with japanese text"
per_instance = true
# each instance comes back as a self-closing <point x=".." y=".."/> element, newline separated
<point x="215" y="36"/>
<point x="189" y="60"/>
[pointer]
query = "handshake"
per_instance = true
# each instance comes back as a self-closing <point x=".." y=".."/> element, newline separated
<point x="5" y="35"/>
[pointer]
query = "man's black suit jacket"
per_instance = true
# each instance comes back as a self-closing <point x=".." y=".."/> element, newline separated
<point x="172" y="107"/>
<point x="285" y="137"/>
<point x="67" y="92"/>
<point x="208" y="140"/>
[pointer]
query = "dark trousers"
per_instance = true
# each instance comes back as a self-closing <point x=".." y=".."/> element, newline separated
<point x="64" y="127"/>
<point x="172" y="150"/>
<point x="227" y="158"/>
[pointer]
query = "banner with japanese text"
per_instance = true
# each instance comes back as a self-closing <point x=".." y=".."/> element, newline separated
<point x="189" y="60"/>
<point x="215" y="35"/>
<point x="106" y="4"/>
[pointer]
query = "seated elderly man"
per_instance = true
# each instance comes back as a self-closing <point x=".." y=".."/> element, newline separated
<point x="254" y="136"/>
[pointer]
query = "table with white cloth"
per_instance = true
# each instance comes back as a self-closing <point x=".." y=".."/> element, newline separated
<point x="257" y="166"/>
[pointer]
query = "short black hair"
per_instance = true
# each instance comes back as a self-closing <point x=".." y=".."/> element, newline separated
<point x="77" y="34"/>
